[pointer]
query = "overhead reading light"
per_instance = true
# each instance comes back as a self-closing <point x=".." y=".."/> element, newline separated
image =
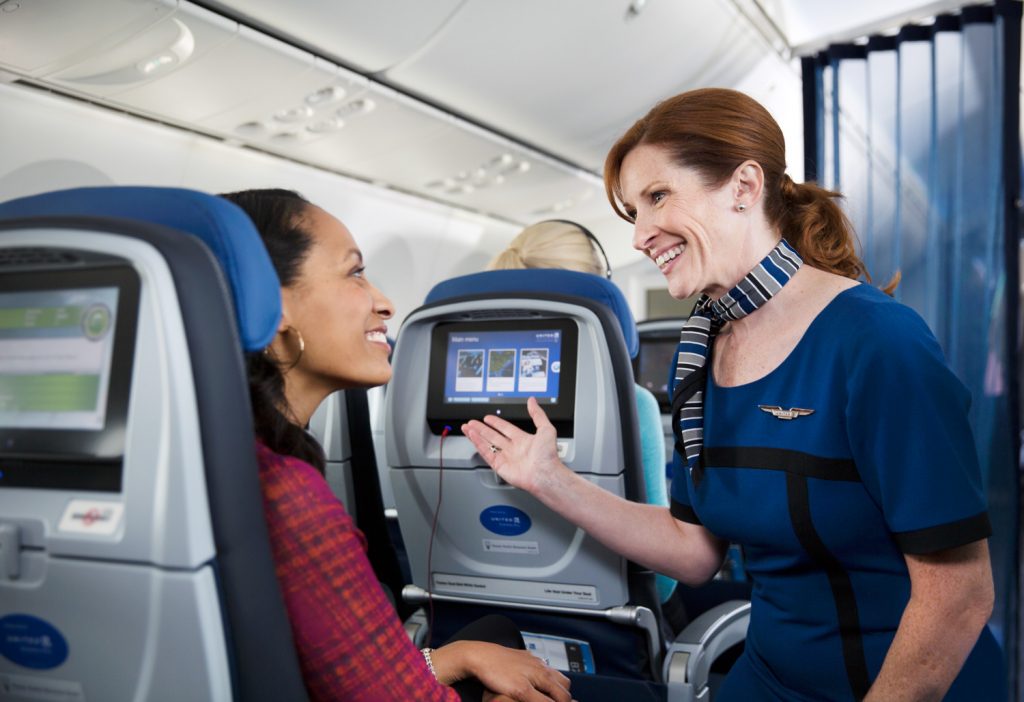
<point x="563" y="205"/>
<point x="326" y="125"/>
<point x="156" y="63"/>
<point x="441" y="183"/>
<point x="251" y="129"/>
<point x="290" y="115"/>
<point x="491" y="173"/>
<point x="356" y="107"/>
<point x="298" y="114"/>
<point x="555" y="208"/>
<point x="288" y="137"/>
<point x="178" y="52"/>
<point x="502" y="160"/>
<point x="326" y="96"/>
<point x="155" y="52"/>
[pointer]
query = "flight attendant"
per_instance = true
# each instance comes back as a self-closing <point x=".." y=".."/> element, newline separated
<point x="817" y="425"/>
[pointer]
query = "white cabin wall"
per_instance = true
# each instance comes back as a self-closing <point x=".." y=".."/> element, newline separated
<point x="777" y="85"/>
<point x="50" y="142"/>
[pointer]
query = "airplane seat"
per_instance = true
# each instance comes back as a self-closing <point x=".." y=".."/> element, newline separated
<point x="654" y="369"/>
<point x="375" y="399"/>
<point x="343" y="425"/>
<point x="650" y="427"/>
<point x="136" y="562"/>
<point x="480" y="344"/>
<point x="497" y="546"/>
<point x="330" y="426"/>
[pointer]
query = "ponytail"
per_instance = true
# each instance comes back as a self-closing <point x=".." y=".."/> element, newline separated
<point x="553" y="243"/>
<point x="510" y="258"/>
<point x="812" y="221"/>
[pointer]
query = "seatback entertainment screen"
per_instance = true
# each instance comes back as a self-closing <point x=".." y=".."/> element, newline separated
<point x="67" y="341"/>
<point x="503" y="366"/>
<point x="652" y="366"/>
<point x="56" y="348"/>
<point x="492" y="367"/>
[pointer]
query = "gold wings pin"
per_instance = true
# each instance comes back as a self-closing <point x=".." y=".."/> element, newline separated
<point x="779" y="413"/>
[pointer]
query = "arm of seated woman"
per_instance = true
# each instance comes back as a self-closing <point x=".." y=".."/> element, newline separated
<point x="351" y="644"/>
<point x="515" y="673"/>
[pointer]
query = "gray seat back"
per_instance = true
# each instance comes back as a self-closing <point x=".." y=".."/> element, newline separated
<point x="137" y="563"/>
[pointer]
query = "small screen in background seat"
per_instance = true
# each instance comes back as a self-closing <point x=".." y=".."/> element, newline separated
<point x="56" y="349"/>
<point x="657" y="356"/>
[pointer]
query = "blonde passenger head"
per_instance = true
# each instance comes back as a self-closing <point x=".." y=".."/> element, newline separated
<point x="552" y="244"/>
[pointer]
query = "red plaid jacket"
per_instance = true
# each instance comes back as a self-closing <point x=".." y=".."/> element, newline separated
<point x="351" y="645"/>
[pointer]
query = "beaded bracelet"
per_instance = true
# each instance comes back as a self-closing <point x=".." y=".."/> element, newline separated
<point x="430" y="664"/>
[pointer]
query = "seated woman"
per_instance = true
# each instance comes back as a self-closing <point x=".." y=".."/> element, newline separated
<point x="560" y="243"/>
<point x="332" y="336"/>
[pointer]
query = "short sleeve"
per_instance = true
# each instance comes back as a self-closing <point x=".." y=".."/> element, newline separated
<point x="906" y="418"/>
<point x="680" y="505"/>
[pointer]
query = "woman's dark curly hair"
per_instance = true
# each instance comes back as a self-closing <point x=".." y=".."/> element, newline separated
<point x="279" y="216"/>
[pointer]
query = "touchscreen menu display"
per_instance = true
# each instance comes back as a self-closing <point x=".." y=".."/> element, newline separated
<point x="56" y="349"/>
<point x="503" y="366"/>
<point x="493" y="367"/>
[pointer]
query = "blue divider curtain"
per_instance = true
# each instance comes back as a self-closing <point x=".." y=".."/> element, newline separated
<point x="920" y="131"/>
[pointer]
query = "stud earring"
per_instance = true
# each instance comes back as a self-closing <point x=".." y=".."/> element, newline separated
<point x="741" y="207"/>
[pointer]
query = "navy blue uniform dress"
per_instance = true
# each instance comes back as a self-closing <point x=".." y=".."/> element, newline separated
<point x="826" y="504"/>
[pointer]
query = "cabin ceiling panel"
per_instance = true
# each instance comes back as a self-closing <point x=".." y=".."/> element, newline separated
<point x="543" y="192"/>
<point x="568" y="77"/>
<point x="372" y="36"/>
<point x="46" y="35"/>
<point x="151" y="55"/>
<point x="246" y="66"/>
<point x="465" y="167"/>
<point x="391" y="126"/>
<point x="312" y="103"/>
<point x="571" y="76"/>
<point x="451" y="164"/>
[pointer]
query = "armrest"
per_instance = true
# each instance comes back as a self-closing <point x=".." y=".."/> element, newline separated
<point x="689" y="658"/>
<point x="417" y="629"/>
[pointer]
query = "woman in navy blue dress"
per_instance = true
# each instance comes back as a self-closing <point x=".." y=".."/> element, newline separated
<point x="817" y="423"/>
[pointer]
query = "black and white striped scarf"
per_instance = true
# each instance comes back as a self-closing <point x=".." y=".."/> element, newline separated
<point x="698" y="334"/>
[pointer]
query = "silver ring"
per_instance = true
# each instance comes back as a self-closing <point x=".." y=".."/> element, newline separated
<point x="494" y="449"/>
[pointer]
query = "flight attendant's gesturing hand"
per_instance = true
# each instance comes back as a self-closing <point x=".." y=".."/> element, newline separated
<point x="527" y="461"/>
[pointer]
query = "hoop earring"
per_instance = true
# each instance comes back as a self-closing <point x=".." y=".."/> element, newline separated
<point x="741" y="207"/>
<point x="302" y="348"/>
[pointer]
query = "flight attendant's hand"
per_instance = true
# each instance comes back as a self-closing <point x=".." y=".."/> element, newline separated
<point x="527" y="461"/>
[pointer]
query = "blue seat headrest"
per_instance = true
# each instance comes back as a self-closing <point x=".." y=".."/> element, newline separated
<point x="544" y="280"/>
<point x="225" y="229"/>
